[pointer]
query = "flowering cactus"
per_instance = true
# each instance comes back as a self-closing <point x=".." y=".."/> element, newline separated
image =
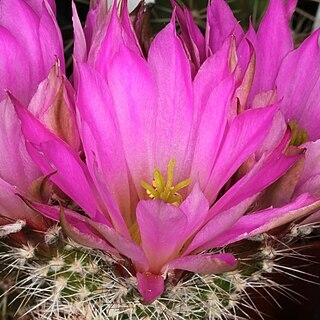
<point x="159" y="149"/>
<point x="185" y="151"/>
<point x="33" y="51"/>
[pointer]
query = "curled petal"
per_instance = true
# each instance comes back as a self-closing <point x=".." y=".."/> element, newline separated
<point x="300" y="95"/>
<point x="272" y="43"/>
<point x="204" y="263"/>
<point x="265" y="220"/>
<point x="221" y="24"/>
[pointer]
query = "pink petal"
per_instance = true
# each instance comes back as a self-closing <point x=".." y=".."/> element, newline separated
<point x="191" y="35"/>
<point x="12" y="208"/>
<point x="212" y="127"/>
<point x="310" y="177"/>
<point x="128" y="34"/>
<point x="95" y="18"/>
<point x="53" y="106"/>
<point x="80" y="46"/>
<point x="37" y="5"/>
<point x="300" y="95"/>
<point x="204" y="263"/>
<point x="195" y="207"/>
<point x="110" y="203"/>
<point x="77" y="228"/>
<point x="134" y="100"/>
<point x="150" y="286"/>
<point x="160" y="241"/>
<point x="263" y="221"/>
<point x="291" y="7"/>
<point x="221" y="23"/>
<point x="171" y="71"/>
<point x="236" y="201"/>
<point x="52" y="154"/>
<point x="50" y="39"/>
<point x="16" y="166"/>
<point x="40" y="38"/>
<point x="246" y="134"/>
<point x="212" y="72"/>
<point x="105" y="42"/>
<point x="265" y="172"/>
<point x="272" y="43"/>
<point x="15" y="68"/>
<point x="278" y="134"/>
<point x="125" y="246"/>
<point x="101" y="140"/>
<point x="218" y="225"/>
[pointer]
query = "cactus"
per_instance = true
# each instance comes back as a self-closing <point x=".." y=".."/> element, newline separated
<point x="73" y="282"/>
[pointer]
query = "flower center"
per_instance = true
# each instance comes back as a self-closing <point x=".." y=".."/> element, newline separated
<point x="164" y="190"/>
<point x="299" y="135"/>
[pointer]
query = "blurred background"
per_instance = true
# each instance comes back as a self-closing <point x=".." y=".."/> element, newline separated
<point x="306" y="302"/>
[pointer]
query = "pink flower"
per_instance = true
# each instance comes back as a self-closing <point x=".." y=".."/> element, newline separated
<point x="275" y="71"/>
<point x="29" y="48"/>
<point x="161" y="150"/>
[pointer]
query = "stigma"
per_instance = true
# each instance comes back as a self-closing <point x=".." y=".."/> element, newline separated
<point x="164" y="189"/>
<point x="299" y="135"/>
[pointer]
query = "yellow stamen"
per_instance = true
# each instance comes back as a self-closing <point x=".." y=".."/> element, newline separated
<point x="298" y="135"/>
<point x="165" y="190"/>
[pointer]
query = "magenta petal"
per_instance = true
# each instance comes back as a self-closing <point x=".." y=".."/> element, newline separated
<point x="212" y="72"/>
<point x="272" y="43"/>
<point x="191" y="35"/>
<point x="150" y="286"/>
<point x="125" y="246"/>
<point x="53" y="106"/>
<point x="50" y="39"/>
<point x="300" y="95"/>
<point x="204" y="263"/>
<point x="310" y="177"/>
<point x="265" y="172"/>
<point x="128" y="33"/>
<point x="80" y="46"/>
<point x="212" y="127"/>
<point x="12" y="208"/>
<point x="53" y="155"/>
<point x="110" y="203"/>
<point x="16" y="166"/>
<point x="96" y="17"/>
<point x="171" y="72"/>
<point x="40" y="38"/>
<point x="77" y="228"/>
<point x="136" y="112"/>
<point x="235" y="202"/>
<point x="218" y="225"/>
<point x="74" y="224"/>
<point x="160" y="240"/>
<point x="245" y="135"/>
<point x="195" y="207"/>
<point x="105" y="41"/>
<point x="265" y="220"/>
<point x="221" y="24"/>
<point x="15" y="68"/>
<point x="101" y="139"/>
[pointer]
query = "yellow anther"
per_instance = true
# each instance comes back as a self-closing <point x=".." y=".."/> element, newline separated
<point x="165" y="190"/>
<point x="298" y="135"/>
